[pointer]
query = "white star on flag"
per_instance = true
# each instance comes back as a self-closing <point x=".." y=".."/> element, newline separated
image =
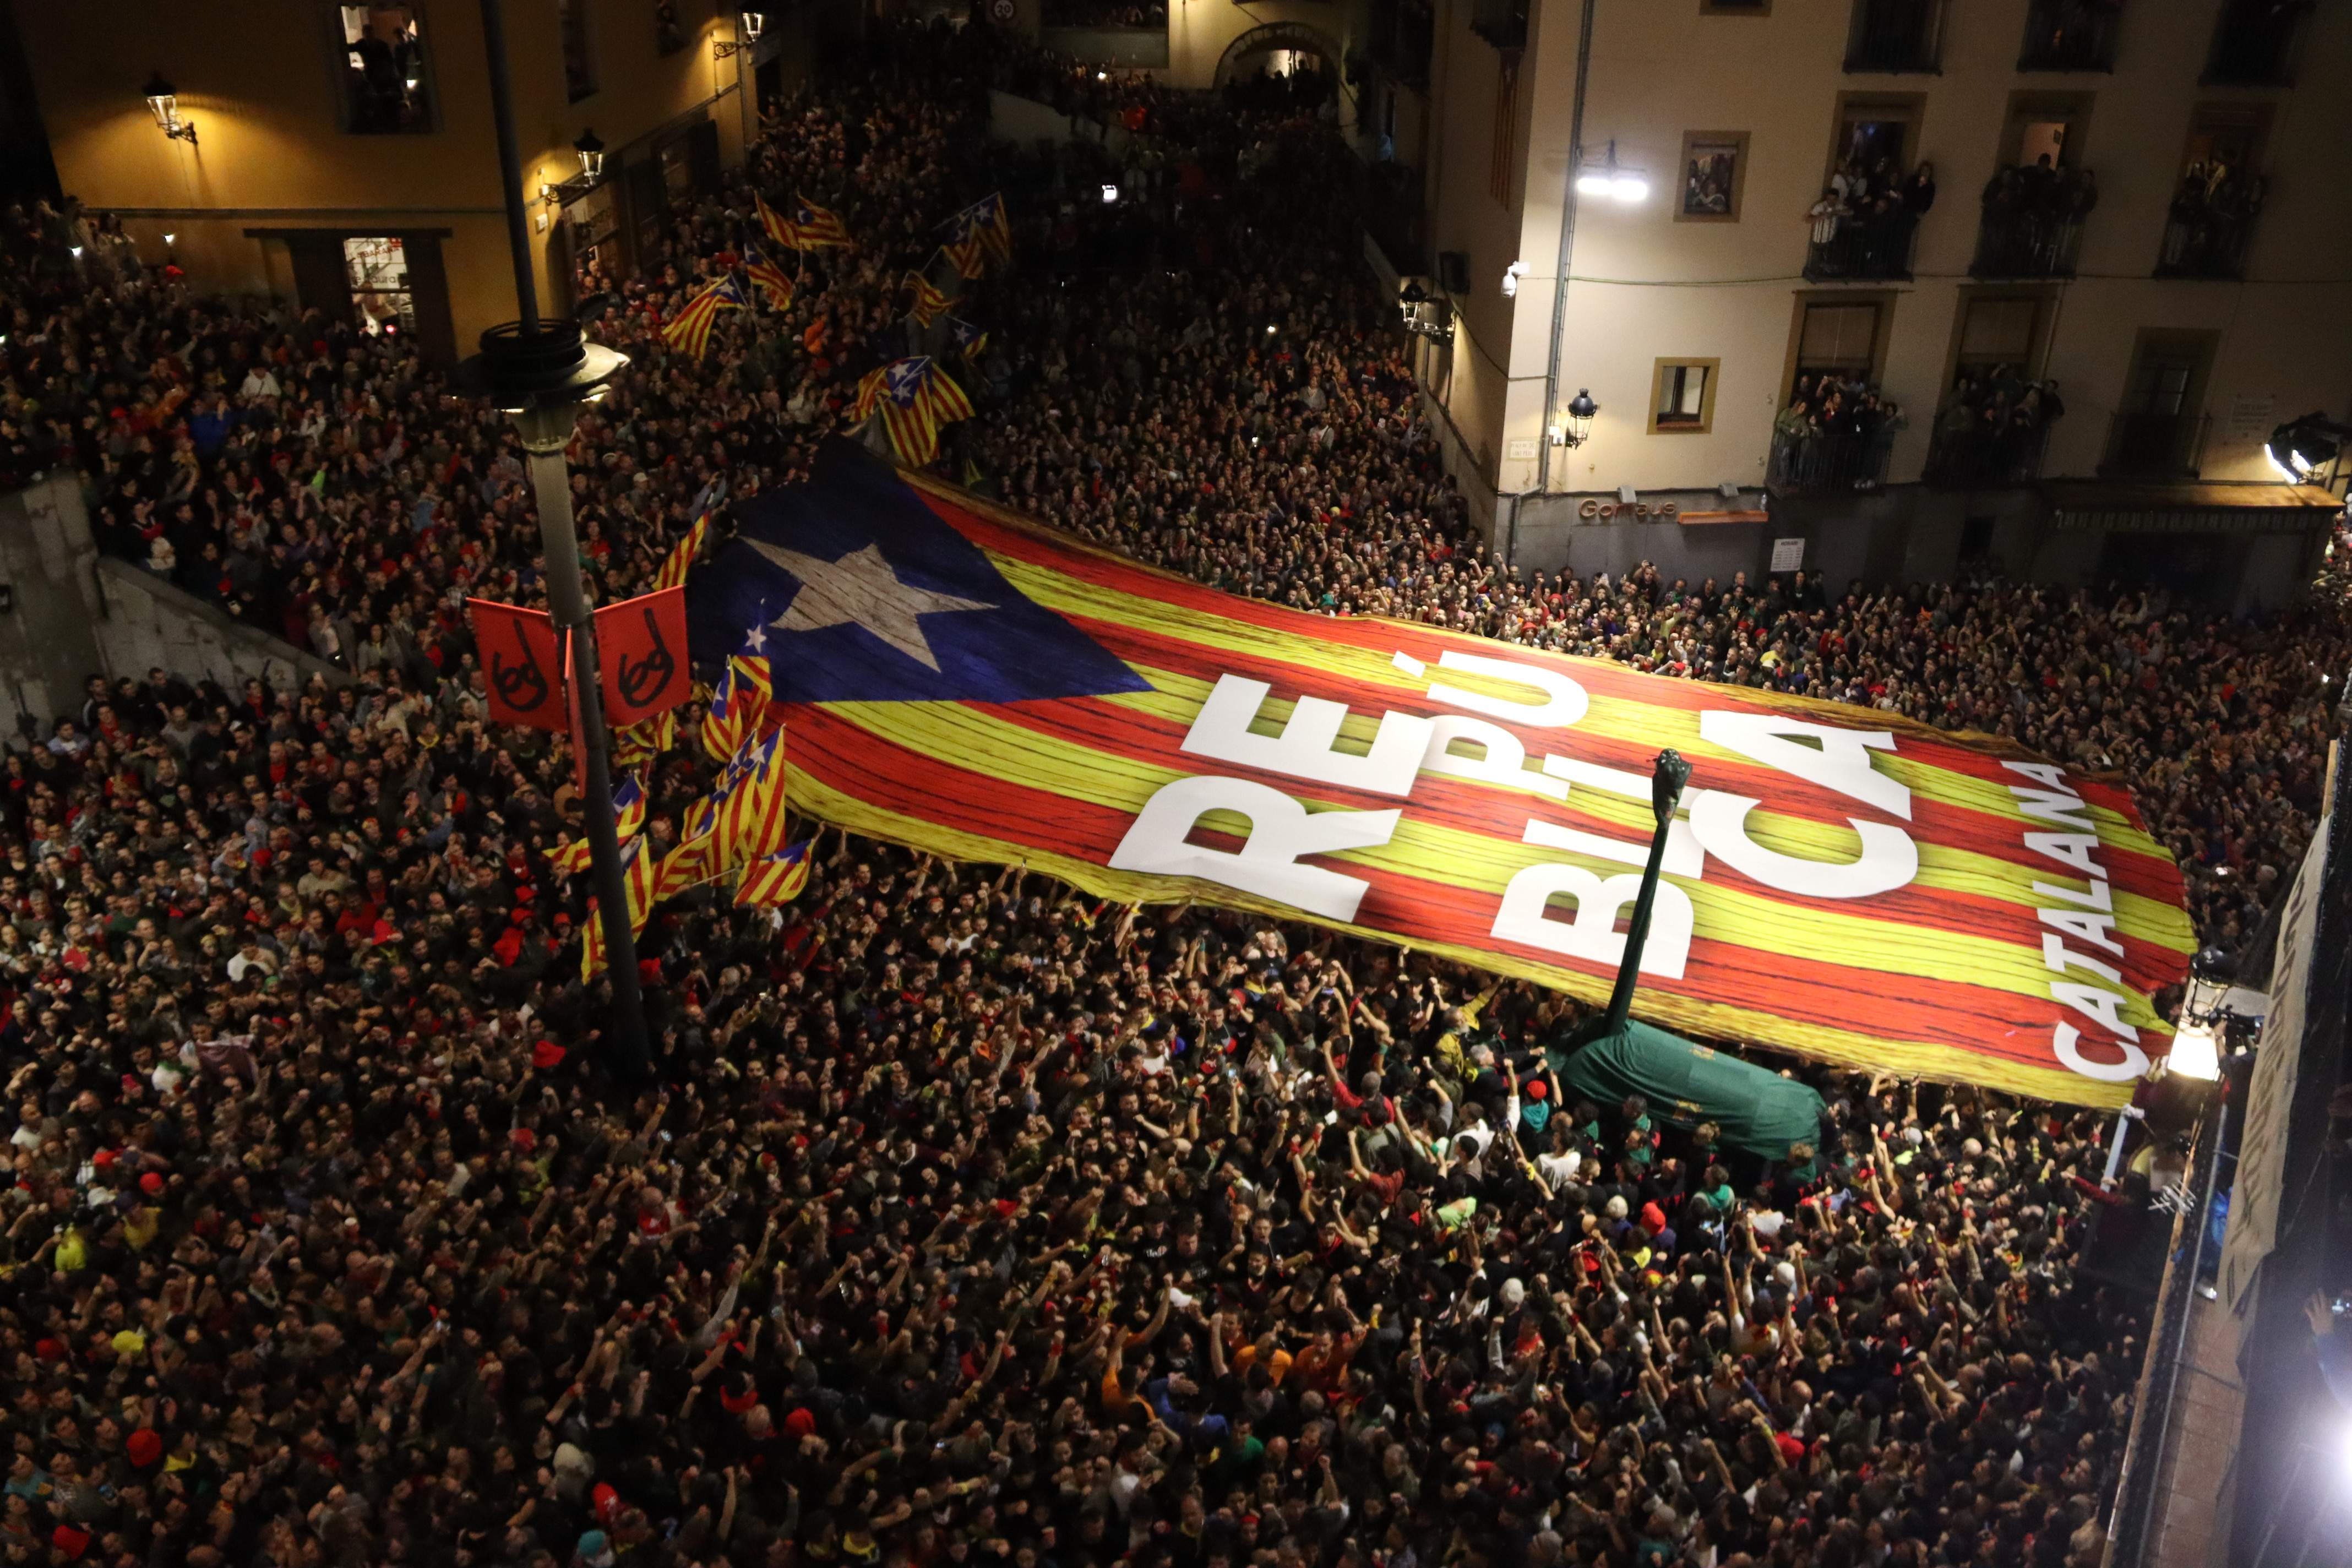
<point x="860" y="589"/>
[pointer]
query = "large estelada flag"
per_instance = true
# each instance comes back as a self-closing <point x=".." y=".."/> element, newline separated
<point x="1839" y="882"/>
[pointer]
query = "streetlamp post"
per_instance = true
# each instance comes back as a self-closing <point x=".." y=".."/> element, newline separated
<point x="541" y="374"/>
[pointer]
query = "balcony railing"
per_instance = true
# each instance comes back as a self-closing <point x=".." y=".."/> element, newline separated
<point x="1824" y="462"/>
<point x="2209" y="228"/>
<point x="2154" y="446"/>
<point x="2070" y="35"/>
<point x="1982" y="454"/>
<point x="2254" y="43"/>
<point x="1895" y="35"/>
<point x="2032" y="223"/>
<point x="1863" y="248"/>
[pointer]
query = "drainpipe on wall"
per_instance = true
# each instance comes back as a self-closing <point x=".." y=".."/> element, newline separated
<point x="1567" y="248"/>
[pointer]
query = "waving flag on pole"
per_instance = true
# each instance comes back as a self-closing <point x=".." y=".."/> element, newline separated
<point x="930" y="303"/>
<point x="969" y="340"/>
<point x="812" y="227"/>
<point x="640" y="744"/>
<point x="977" y="235"/>
<point x="682" y="555"/>
<point x="773" y="223"/>
<point x="628" y="821"/>
<point x="691" y="863"/>
<point x="751" y="821"/>
<point x="637" y="887"/>
<point x="914" y="397"/>
<point x="702" y="817"/>
<point x="690" y="330"/>
<point x="773" y="881"/>
<point x="740" y="702"/>
<point x="770" y="278"/>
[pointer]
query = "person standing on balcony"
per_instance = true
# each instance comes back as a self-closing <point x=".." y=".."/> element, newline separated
<point x="1823" y="214"/>
<point x="1919" y="190"/>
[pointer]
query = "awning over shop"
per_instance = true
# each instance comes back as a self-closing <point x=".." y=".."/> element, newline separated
<point x="2191" y="508"/>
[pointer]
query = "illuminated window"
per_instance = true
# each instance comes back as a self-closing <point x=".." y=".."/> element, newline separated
<point x="381" y="301"/>
<point x="387" y="87"/>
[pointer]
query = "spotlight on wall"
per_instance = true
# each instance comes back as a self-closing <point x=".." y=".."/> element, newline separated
<point x="1511" y="275"/>
<point x="1611" y="179"/>
<point x="1111" y="196"/>
<point x="2302" y="450"/>
<point x="163" y="103"/>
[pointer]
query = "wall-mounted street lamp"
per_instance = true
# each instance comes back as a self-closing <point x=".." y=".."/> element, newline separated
<point x="1574" y="426"/>
<point x="164" y="102"/>
<point x="591" y="150"/>
<point x="2197" y="1043"/>
<point x="1425" y="315"/>
<point x="754" y="23"/>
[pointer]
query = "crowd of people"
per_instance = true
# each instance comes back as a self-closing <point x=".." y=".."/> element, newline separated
<point x="1835" y="432"/>
<point x="2211" y="219"/>
<point x="1151" y="14"/>
<point x="1867" y="216"/>
<point x="1993" y="426"/>
<point x="974" y="1220"/>
<point x="2032" y="215"/>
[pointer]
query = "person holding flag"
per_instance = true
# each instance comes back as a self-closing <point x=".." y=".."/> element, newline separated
<point x="930" y="303"/>
<point x="683" y="555"/>
<point x="812" y="227"/>
<point x="773" y="881"/>
<point x="980" y="234"/>
<point x="914" y="397"/>
<point x="773" y="223"/>
<point x="769" y="278"/>
<point x="690" y="330"/>
<point x="628" y="821"/>
<point x="740" y="701"/>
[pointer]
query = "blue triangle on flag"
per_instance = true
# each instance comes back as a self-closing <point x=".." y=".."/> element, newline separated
<point x="897" y="605"/>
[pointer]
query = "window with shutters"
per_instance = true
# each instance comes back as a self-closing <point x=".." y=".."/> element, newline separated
<point x="1999" y="333"/>
<point x="1993" y="422"/>
<point x="1839" y="338"/>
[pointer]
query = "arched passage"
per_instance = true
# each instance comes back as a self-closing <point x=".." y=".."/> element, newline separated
<point x="1254" y="50"/>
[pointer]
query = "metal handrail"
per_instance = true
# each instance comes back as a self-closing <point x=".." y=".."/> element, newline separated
<point x="2130" y="1516"/>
